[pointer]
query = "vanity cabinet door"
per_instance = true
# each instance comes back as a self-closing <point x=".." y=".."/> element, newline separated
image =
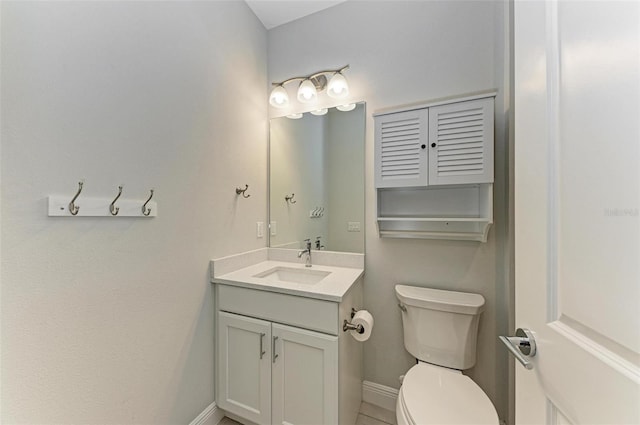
<point x="244" y="367"/>
<point x="304" y="377"/>
<point x="401" y="149"/>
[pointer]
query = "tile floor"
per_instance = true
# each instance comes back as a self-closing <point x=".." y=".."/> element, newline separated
<point x="374" y="415"/>
<point x="369" y="415"/>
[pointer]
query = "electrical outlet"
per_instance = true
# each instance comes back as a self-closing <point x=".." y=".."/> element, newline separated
<point x="274" y="228"/>
<point x="260" y="229"/>
<point x="353" y="226"/>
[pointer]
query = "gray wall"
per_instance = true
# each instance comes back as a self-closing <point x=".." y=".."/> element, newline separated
<point x="404" y="52"/>
<point x="110" y="320"/>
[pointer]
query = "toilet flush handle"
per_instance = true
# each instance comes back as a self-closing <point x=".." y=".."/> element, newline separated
<point x="522" y="345"/>
<point x="403" y="308"/>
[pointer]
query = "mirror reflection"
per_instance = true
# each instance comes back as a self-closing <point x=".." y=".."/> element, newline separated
<point x="316" y="180"/>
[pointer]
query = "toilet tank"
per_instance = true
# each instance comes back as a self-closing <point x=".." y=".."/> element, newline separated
<point x="440" y="327"/>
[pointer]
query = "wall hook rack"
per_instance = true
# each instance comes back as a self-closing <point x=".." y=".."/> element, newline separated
<point x="112" y="208"/>
<point x="73" y="208"/>
<point x="289" y="199"/>
<point x="242" y="191"/>
<point x="59" y="206"/>
<point x="146" y="211"/>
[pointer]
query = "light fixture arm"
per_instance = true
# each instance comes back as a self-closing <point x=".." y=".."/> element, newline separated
<point x="311" y="76"/>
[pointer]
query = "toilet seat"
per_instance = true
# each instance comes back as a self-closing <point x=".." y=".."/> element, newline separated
<point x="433" y="395"/>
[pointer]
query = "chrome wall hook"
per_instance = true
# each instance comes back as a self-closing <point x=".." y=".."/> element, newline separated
<point x="73" y="208"/>
<point x="112" y="208"/>
<point x="146" y="211"/>
<point x="290" y="198"/>
<point x="242" y="191"/>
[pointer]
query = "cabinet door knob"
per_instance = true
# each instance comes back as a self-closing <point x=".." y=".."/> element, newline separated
<point x="433" y="145"/>
<point x="423" y="146"/>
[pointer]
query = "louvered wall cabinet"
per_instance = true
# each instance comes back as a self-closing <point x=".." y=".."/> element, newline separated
<point x="434" y="169"/>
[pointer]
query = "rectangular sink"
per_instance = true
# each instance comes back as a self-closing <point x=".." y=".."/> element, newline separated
<point x="293" y="275"/>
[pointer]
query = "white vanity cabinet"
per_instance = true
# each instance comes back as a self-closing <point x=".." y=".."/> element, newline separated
<point x="278" y="357"/>
<point x="272" y="373"/>
<point x="434" y="169"/>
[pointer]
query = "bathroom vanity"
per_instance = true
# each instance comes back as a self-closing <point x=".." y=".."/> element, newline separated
<point x="282" y="355"/>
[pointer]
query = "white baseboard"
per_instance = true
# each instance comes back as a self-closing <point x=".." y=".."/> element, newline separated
<point x="211" y="415"/>
<point x="379" y="395"/>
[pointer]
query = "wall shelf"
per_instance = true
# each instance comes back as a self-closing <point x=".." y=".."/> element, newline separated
<point x="461" y="212"/>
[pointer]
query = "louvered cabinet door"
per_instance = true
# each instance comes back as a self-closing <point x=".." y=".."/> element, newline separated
<point x="400" y="149"/>
<point x="461" y="143"/>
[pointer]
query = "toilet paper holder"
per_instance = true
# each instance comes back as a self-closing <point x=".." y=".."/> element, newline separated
<point x="348" y="326"/>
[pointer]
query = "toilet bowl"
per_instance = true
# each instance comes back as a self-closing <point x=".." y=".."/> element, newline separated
<point x="437" y="395"/>
<point x="440" y="330"/>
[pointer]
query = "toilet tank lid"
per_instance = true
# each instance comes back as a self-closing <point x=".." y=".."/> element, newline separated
<point x="437" y="299"/>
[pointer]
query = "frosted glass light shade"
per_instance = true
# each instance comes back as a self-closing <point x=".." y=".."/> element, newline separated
<point x="279" y="97"/>
<point x="347" y="107"/>
<point x="338" y="87"/>
<point x="294" y="116"/>
<point x="307" y="92"/>
<point x="320" y="111"/>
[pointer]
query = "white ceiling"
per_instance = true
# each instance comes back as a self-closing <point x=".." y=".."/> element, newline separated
<point x="277" y="12"/>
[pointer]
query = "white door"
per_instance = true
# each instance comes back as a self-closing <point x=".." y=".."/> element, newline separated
<point x="305" y="377"/>
<point x="577" y="201"/>
<point x="244" y="367"/>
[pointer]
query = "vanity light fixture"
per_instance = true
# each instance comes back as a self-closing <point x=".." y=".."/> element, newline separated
<point x="295" y="116"/>
<point x="322" y="111"/>
<point x="310" y="86"/>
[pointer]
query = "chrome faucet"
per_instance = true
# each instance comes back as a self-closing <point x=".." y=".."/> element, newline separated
<point x="306" y="251"/>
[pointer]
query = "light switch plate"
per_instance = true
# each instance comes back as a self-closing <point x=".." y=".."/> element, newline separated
<point x="260" y="229"/>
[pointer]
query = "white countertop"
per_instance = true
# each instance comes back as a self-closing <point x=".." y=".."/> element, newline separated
<point x="332" y="288"/>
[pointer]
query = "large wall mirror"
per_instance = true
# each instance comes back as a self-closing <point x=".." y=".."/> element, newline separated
<point x="316" y="180"/>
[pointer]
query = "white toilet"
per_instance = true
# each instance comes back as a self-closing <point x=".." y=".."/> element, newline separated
<point x="440" y="330"/>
